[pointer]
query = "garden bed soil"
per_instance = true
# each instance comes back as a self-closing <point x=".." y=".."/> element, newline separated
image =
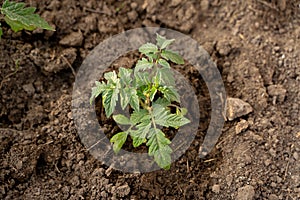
<point x="255" y="45"/>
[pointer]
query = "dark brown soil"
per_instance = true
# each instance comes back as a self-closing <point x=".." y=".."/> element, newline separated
<point x="255" y="44"/>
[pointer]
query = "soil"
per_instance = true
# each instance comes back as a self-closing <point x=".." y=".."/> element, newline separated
<point x="255" y="45"/>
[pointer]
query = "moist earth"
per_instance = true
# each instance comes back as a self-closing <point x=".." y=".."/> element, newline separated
<point x="255" y="45"/>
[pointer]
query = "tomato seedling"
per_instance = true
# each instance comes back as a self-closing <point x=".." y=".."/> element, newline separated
<point x="149" y="90"/>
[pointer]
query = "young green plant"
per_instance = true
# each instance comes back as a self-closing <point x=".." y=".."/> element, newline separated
<point x="149" y="90"/>
<point x="19" y="17"/>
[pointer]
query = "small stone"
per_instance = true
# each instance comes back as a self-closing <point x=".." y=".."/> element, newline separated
<point x="204" y="5"/>
<point x="276" y="49"/>
<point x="273" y="184"/>
<point x="19" y="164"/>
<point x="56" y="122"/>
<point x="282" y="4"/>
<point x="216" y="188"/>
<point x="272" y="152"/>
<point x="75" y="181"/>
<point x="132" y="15"/>
<point x="29" y="88"/>
<point x="223" y="48"/>
<point x="273" y="197"/>
<point x="296" y="156"/>
<point x="246" y="193"/>
<point x="175" y="3"/>
<point x="278" y="179"/>
<point x="72" y="40"/>
<point x="122" y="191"/>
<point x="277" y="91"/>
<point x="237" y="108"/>
<point x="229" y="180"/>
<point x="70" y="115"/>
<point x="133" y="5"/>
<point x="241" y="126"/>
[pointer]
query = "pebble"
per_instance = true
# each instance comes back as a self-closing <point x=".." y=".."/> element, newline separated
<point x="133" y="5"/>
<point x="216" y="188"/>
<point x="29" y="89"/>
<point x="272" y="152"/>
<point x="246" y="193"/>
<point x="276" y="49"/>
<point x="72" y="40"/>
<point x="296" y="156"/>
<point x="122" y="191"/>
<point x="237" y="108"/>
<point x="70" y="116"/>
<point x="277" y="91"/>
<point x="241" y="126"/>
<point x="132" y="15"/>
<point x="273" y="197"/>
<point x="175" y="3"/>
<point x="223" y="48"/>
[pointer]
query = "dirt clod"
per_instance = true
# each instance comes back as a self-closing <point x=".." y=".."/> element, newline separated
<point x="278" y="92"/>
<point x="246" y="193"/>
<point x="237" y="108"/>
<point x="72" y="40"/>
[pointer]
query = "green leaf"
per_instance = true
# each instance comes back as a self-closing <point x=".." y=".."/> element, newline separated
<point x="134" y="100"/>
<point x="143" y="65"/>
<point x="1" y="32"/>
<point x="141" y="79"/>
<point x="139" y="136"/>
<point x="153" y="91"/>
<point x="18" y="26"/>
<point x="124" y="97"/>
<point x="125" y="76"/>
<point x="129" y="96"/>
<point x="148" y="48"/>
<point x="164" y="63"/>
<point x="159" y="148"/>
<point x="183" y="111"/>
<point x="163" y="102"/>
<point x="110" y="98"/>
<point x="157" y="141"/>
<point x="121" y="119"/>
<point x="111" y="77"/>
<point x="162" y="42"/>
<point x="174" y="57"/>
<point x="165" y="77"/>
<point x="160" y="115"/>
<point x="164" y="118"/>
<point x="167" y="43"/>
<point x="163" y="157"/>
<point x="176" y="121"/>
<point x="118" y="140"/>
<point x="152" y="56"/>
<point x="18" y="17"/>
<point x="169" y="93"/>
<point x="139" y="116"/>
<point x="96" y="91"/>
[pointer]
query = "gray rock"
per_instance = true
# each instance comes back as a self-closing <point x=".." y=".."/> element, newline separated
<point x="237" y="108"/>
